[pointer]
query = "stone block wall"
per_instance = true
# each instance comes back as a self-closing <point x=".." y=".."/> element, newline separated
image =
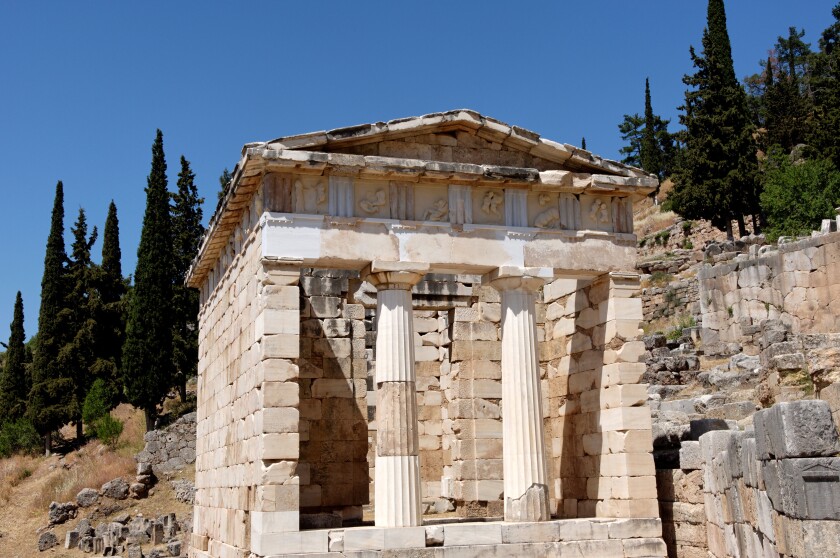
<point x="598" y="423"/>
<point x="797" y="283"/>
<point x="170" y="448"/>
<point x="774" y="491"/>
<point x="333" y="400"/>
<point x="230" y="399"/>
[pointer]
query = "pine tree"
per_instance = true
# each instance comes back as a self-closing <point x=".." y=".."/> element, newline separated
<point x="48" y="406"/>
<point x="77" y="356"/>
<point x="716" y="175"/>
<point x="632" y="129"/>
<point x="825" y="84"/>
<point x="788" y="105"/>
<point x="187" y="232"/>
<point x="110" y="315"/>
<point x="14" y="385"/>
<point x="649" y="153"/>
<point x="147" y="353"/>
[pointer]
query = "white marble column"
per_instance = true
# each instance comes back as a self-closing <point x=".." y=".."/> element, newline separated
<point x="525" y="478"/>
<point x="397" y="477"/>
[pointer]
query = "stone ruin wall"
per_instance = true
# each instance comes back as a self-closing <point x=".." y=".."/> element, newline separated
<point x="798" y="284"/>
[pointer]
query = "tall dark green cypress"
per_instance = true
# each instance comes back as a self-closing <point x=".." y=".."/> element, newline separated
<point x="583" y="143"/>
<point x="650" y="155"/>
<point x="147" y="352"/>
<point x="187" y="232"/>
<point x="110" y="312"/>
<point x="14" y="385"/>
<point x="716" y="174"/>
<point x="826" y="88"/>
<point x="77" y="357"/>
<point x="48" y="405"/>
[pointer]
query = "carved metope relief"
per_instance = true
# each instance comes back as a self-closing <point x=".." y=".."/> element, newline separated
<point x="549" y="216"/>
<point x="516" y="207"/>
<point x="438" y="212"/>
<point x="460" y="204"/>
<point x="341" y="196"/>
<point x="310" y="195"/>
<point x="402" y="200"/>
<point x="373" y="202"/>
<point x="277" y="192"/>
<point x="597" y="213"/>
<point x="569" y="212"/>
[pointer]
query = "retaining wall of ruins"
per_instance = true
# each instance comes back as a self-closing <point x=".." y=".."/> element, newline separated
<point x="797" y="283"/>
<point x="772" y="491"/>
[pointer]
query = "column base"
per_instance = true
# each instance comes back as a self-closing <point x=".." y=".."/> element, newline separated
<point x="531" y="506"/>
<point x="398" y="497"/>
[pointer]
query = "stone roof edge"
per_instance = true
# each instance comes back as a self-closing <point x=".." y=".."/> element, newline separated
<point x="483" y="126"/>
<point x="257" y="158"/>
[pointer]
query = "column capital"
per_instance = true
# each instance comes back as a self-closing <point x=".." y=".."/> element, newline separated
<point x="394" y="275"/>
<point x="513" y="278"/>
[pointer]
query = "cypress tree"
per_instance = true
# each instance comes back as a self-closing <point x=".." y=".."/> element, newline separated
<point x="77" y="357"/>
<point x="826" y="88"/>
<point x="110" y="321"/>
<point x="48" y="406"/>
<point x="650" y="155"/>
<point x="14" y="385"/>
<point x="187" y="232"/>
<point x="583" y="143"/>
<point x="147" y="353"/>
<point x="224" y="186"/>
<point x="716" y="174"/>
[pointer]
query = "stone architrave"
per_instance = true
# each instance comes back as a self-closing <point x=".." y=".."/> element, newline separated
<point x="525" y="478"/>
<point x="397" y="477"/>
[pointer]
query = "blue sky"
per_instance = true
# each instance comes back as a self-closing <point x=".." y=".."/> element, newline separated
<point x="84" y="85"/>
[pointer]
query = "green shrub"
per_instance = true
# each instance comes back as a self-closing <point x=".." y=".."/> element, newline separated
<point x="686" y="227"/>
<point x="662" y="237"/>
<point x="687" y="244"/>
<point x="108" y="429"/>
<point x="19" y="437"/>
<point x="796" y="198"/>
<point x="666" y="206"/>
<point x="660" y="278"/>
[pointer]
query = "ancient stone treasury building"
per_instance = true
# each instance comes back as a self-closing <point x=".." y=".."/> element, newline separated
<point x="434" y="314"/>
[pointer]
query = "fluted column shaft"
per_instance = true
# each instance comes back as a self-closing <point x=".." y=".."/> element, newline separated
<point x="397" y="477"/>
<point x="525" y="478"/>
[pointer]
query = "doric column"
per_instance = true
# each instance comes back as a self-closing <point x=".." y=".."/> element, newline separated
<point x="397" y="476"/>
<point x="525" y="479"/>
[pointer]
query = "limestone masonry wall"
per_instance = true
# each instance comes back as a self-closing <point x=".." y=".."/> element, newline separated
<point x="170" y="448"/>
<point x="797" y="283"/>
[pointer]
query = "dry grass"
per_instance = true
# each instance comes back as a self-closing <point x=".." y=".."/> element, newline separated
<point x="90" y="467"/>
<point x="134" y="428"/>
<point x="13" y="471"/>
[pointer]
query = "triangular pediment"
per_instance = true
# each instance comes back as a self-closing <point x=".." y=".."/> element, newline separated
<point x="459" y="136"/>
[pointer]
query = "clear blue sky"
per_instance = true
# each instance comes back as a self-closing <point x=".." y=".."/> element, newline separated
<point x="84" y="85"/>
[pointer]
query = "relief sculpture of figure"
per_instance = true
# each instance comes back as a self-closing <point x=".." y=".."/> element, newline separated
<point x="373" y="202"/>
<point x="491" y="204"/>
<point x="320" y="193"/>
<point x="598" y="212"/>
<point x="547" y="219"/>
<point x="438" y="212"/>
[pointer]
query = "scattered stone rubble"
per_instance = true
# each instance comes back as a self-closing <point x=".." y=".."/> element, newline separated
<point x="125" y="536"/>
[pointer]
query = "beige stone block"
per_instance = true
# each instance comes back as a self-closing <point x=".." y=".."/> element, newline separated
<point x="624" y="418"/>
<point x="279" y="346"/>
<point x="278" y="497"/>
<point x="631" y="351"/>
<point x="476" y="350"/>
<point x="472" y="534"/>
<point x="333" y="388"/>
<point x="280" y="394"/>
<point x="563" y="328"/>
<point x="279" y="472"/>
<point x="582" y="530"/>
<point x="625" y="329"/>
<point x="622" y="373"/>
<point x="426" y="354"/>
<point x="490" y="311"/>
<point x="633" y="528"/>
<point x="280" y="419"/>
<point x="280" y="446"/>
<point x="271" y="321"/>
<point x="353" y="311"/>
<point x="475" y="331"/>
<point x="396" y="418"/>
<point x="466" y="314"/>
<point x="424" y="325"/>
<point x="626" y="464"/>
<point x="625" y="488"/>
<point x="333" y="347"/>
<point x="644" y="548"/>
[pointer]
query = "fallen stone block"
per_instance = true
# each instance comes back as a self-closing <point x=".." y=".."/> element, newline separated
<point x="47" y="540"/>
<point x="87" y="497"/>
<point x="796" y="429"/>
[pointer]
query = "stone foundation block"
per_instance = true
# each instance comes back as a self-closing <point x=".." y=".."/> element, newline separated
<point x="796" y="429"/>
<point x="472" y="534"/>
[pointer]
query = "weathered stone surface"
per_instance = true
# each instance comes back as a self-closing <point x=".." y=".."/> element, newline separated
<point x="117" y="489"/>
<point x="47" y="540"/>
<point x="87" y="497"/>
<point x="797" y="429"/>
<point x="59" y="513"/>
